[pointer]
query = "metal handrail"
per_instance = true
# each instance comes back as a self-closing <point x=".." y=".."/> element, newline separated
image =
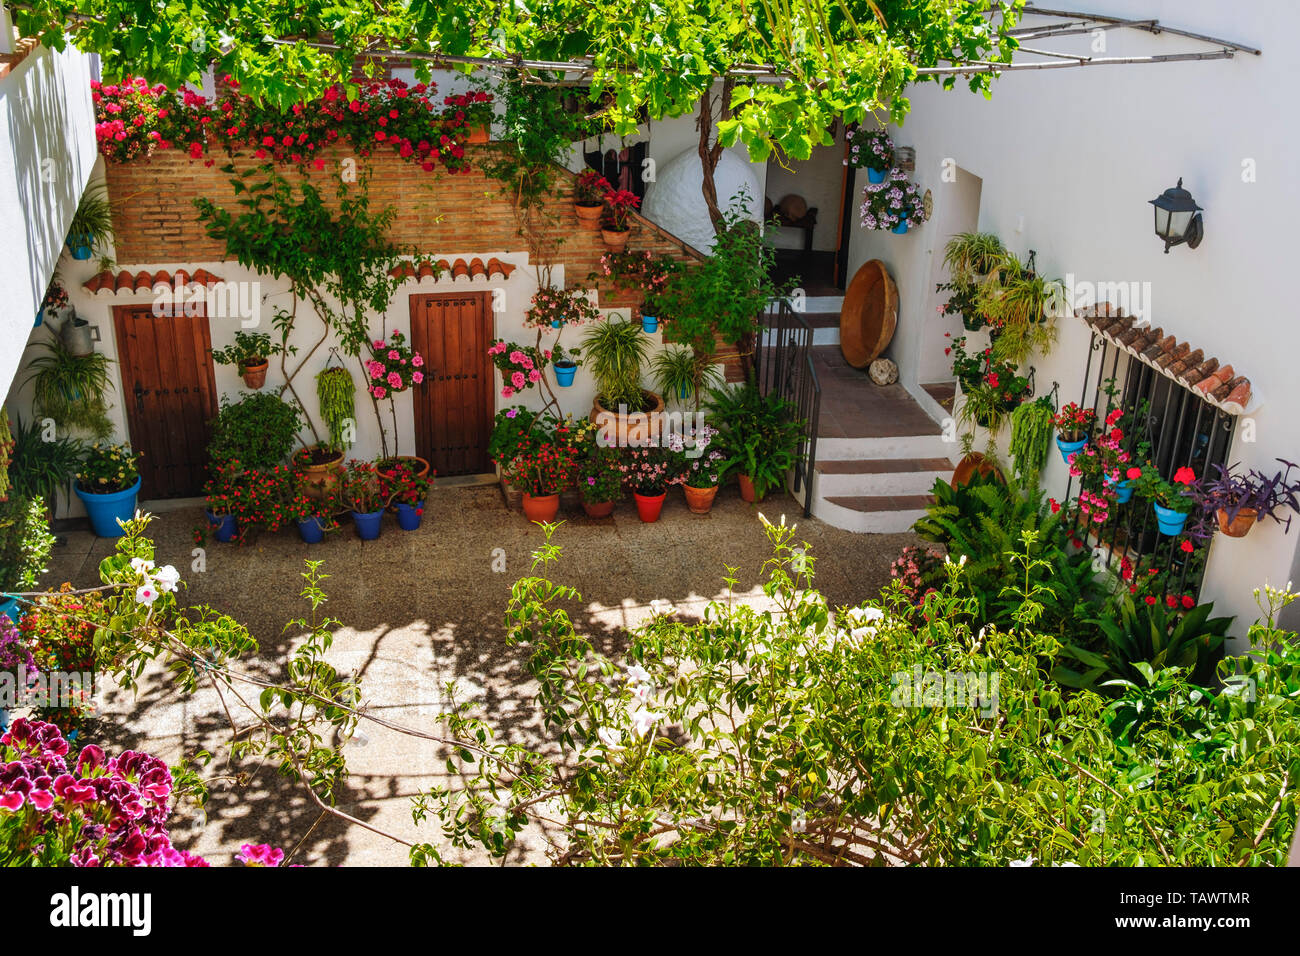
<point x="784" y="365"/>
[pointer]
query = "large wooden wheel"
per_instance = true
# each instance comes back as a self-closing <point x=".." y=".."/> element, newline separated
<point x="869" y="315"/>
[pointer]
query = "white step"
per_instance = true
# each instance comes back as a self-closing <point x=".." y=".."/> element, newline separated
<point x="901" y="446"/>
<point x="886" y="521"/>
<point x="902" y="477"/>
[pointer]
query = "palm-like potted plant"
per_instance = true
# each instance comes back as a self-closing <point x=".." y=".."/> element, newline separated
<point x="1019" y="304"/>
<point x="679" y="372"/>
<point x="251" y="354"/>
<point x="589" y="198"/>
<point x="70" y="388"/>
<point x="1238" y="501"/>
<point x="615" y="353"/>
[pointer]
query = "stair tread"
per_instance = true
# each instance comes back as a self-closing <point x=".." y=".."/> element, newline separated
<point x="882" y="466"/>
<point x="882" y="502"/>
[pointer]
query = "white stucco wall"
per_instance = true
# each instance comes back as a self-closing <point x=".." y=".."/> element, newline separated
<point x="1068" y="160"/>
<point x="47" y="151"/>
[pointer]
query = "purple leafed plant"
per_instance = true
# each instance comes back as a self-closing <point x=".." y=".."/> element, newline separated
<point x="1274" y="496"/>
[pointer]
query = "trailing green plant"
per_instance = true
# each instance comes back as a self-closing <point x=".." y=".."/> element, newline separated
<point x="760" y="434"/>
<point x="972" y="257"/>
<point x="1031" y="436"/>
<point x="249" y="349"/>
<point x="6" y="453"/>
<point x="43" y="465"/>
<point x="1021" y="305"/>
<point x="25" y="542"/>
<point x="336" y="393"/>
<point x="70" y="388"/>
<point x="92" y="223"/>
<point x="615" y="353"/>
<point x="259" y="430"/>
<point x="1148" y="633"/>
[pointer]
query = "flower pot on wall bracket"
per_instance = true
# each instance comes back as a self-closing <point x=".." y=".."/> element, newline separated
<point x="1069" y="448"/>
<point x="1123" y="490"/>
<point x="901" y="228"/>
<point x="1168" y="520"/>
<point x="1239" y="526"/>
<point x="255" y="375"/>
<point x="80" y="245"/>
<point x="564" y="373"/>
<point x="876" y="175"/>
<point x="649" y="324"/>
<point x="589" y="214"/>
<point x="615" y="239"/>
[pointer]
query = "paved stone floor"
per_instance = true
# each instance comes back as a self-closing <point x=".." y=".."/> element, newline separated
<point x="422" y="608"/>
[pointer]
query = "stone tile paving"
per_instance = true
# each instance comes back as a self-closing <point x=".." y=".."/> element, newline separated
<point x="422" y="608"/>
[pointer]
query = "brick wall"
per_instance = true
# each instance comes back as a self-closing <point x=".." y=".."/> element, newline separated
<point x="437" y="213"/>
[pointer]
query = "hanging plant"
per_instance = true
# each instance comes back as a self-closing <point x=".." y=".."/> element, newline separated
<point x="870" y="149"/>
<point x="70" y="388"/>
<point x="520" y="365"/>
<point x="893" y="204"/>
<point x="556" y="308"/>
<point x="336" y="392"/>
<point x="1031" y="435"/>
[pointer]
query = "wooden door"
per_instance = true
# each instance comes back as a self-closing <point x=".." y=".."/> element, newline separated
<point x="453" y="407"/>
<point x="170" y="395"/>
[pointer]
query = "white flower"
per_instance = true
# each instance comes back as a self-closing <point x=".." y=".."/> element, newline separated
<point x="638" y="674"/>
<point x="610" y="738"/>
<point x="1027" y="861"/>
<point x="642" y="692"/>
<point x="141" y="565"/>
<point x="146" y="594"/>
<point x="166" y="578"/>
<point x="643" y="721"/>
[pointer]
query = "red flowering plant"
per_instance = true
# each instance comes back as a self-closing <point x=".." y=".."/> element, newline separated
<point x="619" y="204"/>
<point x="360" y="488"/>
<point x="132" y="118"/>
<point x="393" y="366"/>
<point x="591" y="188"/>
<point x="919" y="571"/>
<point x="1161" y="585"/>
<point x="471" y="108"/>
<point x="323" y="505"/>
<point x="1176" y="495"/>
<point x="228" y="489"/>
<point x="563" y="306"/>
<point x="547" y="468"/>
<point x="639" y="270"/>
<point x="521" y="366"/>
<point x="400" y="484"/>
<point x="59" y="631"/>
<point x="96" y="811"/>
<point x="1074" y="423"/>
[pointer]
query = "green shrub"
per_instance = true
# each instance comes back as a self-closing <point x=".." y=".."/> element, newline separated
<point x="258" y="431"/>
<point x="760" y="434"/>
<point x="25" y="542"/>
<point x="42" y="469"/>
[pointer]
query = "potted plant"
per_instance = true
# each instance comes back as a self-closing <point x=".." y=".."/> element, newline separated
<point x="894" y="204"/>
<point x="679" y="372"/>
<point x="871" y="150"/>
<point x="25" y="546"/>
<point x="1238" y="501"/>
<point x="473" y="109"/>
<point x="615" y="222"/>
<point x="560" y="307"/>
<point x="55" y="301"/>
<point x="251" y="354"/>
<point x="615" y="353"/>
<point x="227" y="498"/>
<point x="600" y="480"/>
<point x="1171" y="500"/>
<point x="92" y="223"/>
<point x="589" y="198"/>
<point x="760" y="435"/>
<point x="361" y="493"/>
<point x="260" y="430"/>
<point x="393" y="367"/>
<point x="1073" y="426"/>
<point x="405" y="489"/>
<point x="565" y="362"/>
<point x="1019" y="303"/>
<point x="542" y="472"/>
<point x="650" y="470"/>
<point x="701" y="468"/>
<point x="70" y="388"/>
<point x="107" y="485"/>
<point x="312" y="513"/>
<point x="15" y="658"/>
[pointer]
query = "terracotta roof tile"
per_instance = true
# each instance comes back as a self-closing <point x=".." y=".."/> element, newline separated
<point x="144" y="281"/>
<point x="471" y="269"/>
<point x="1220" y="385"/>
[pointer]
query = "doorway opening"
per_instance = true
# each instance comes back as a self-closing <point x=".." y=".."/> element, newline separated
<point x="810" y="201"/>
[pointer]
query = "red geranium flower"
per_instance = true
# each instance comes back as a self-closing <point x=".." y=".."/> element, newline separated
<point x="1184" y="476"/>
<point x="1188" y="602"/>
<point x="1187" y="546"/>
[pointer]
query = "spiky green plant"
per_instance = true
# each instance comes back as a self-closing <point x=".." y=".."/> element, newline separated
<point x="94" y="217"/>
<point x="41" y="468"/>
<point x="972" y="256"/>
<point x="680" y="373"/>
<point x="70" y="388"/>
<point x="615" y="353"/>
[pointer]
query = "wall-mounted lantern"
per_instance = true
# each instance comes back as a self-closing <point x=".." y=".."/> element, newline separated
<point x="1178" y="217"/>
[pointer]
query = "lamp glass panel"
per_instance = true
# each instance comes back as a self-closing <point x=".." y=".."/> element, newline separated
<point x="1178" y="223"/>
<point x="1162" y="222"/>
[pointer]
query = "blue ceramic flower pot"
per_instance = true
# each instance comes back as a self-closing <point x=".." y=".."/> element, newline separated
<point x="876" y="175"/>
<point x="80" y="246"/>
<point x="40" y="316"/>
<point x="555" y="323"/>
<point x="409" y="516"/>
<point x="1123" y="491"/>
<point x="105" y="510"/>
<point x="564" y="374"/>
<point x="1068" y="448"/>
<point x="649" y="324"/>
<point x="901" y="228"/>
<point x="367" y="524"/>
<point x="1169" y="522"/>
<point x="312" y="531"/>
<point x="224" y="527"/>
<point x="9" y="607"/>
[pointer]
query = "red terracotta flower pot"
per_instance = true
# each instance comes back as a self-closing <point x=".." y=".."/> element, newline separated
<point x="649" y="506"/>
<point x="589" y="214"/>
<point x="541" y="508"/>
<point x="478" y="135"/>
<point x="1240" y="525"/>
<point x="615" y="239"/>
<point x="255" y="375"/>
<point x="700" y="500"/>
<point x="747" y="489"/>
<point x="602" y="510"/>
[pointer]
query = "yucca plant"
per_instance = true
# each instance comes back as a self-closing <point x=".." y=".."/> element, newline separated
<point x="42" y="468"/>
<point x="679" y="372"/>
<point x="615" y="353"/>
<point x="70" y="388"/>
